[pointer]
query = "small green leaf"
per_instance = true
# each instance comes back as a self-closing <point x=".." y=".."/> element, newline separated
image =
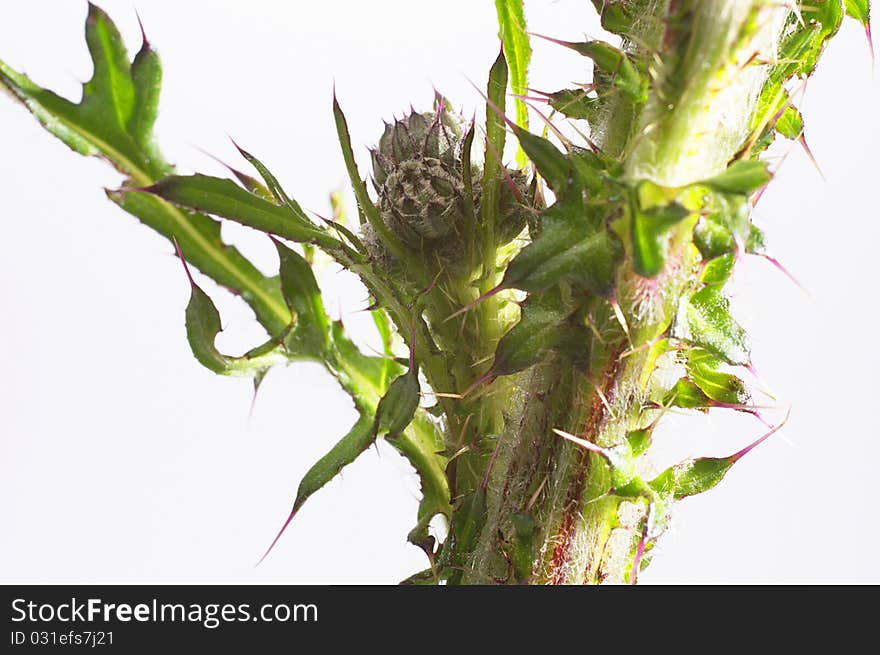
<point x="702" y="367"/>
<point x="650" y="234"/>
<point x="311" y="333"/>
<point x="859" y="9"/>
<point x="568" y="248"/>
<point x="617" y="15"/>
<point x="790" y="123"/>
<point x="399" y="404"/>
<point x="224" y="198"/>
<point x="711" y="326"/>
<point x="275" y="187"/>
<point x="755" y="242"/>
<point x="640" y="441"/>
<point x="553" y="166"/>
<point x="615" y="63"/>
<point x="718" y="270"/>
<point x="574" y="103"/>
<point x="203" y="326"/>
<point x="541" y="327"/>
<point x="687" y="395"/>
<point x="741" y="177"/>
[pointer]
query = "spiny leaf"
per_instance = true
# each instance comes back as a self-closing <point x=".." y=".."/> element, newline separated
<point x="114" y="118"/>
<point x="615" y="63"/>
<point x="366" y="205"/>
<point x="702" y="367"/>
<point x="275" y="187"/>
<point x="711" y="326"/>
<point x="222" y="197"/>
<point x="358" y="439"/>
<point x="518" y="52"/>
<point x="203" y="326"/>
<point x="114" y="121"/>
<point x="553" y="166"/>
<point x="694" y="476"/>
<point x="858" y="9"/>
<point x="311" y="334"/>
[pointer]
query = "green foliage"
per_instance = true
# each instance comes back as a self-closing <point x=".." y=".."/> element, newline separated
<point x="618" y="276"/>
<point x="518" y="52"/>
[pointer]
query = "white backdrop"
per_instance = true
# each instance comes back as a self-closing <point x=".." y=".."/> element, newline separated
<point x="124" y="461"/>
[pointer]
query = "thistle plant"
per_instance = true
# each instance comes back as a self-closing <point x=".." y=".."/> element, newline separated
<point x="539" y="317"/>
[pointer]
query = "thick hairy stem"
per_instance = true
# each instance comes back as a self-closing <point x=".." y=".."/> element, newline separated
<point x="707" y="61"/>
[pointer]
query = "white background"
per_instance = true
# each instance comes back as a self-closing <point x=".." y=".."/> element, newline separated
<point x="122" y="460"/>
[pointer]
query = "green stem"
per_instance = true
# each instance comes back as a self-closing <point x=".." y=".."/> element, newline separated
<point x="703" y="93"/>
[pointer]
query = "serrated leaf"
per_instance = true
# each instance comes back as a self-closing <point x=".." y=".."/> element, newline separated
<point x="711" y="326"/>
<point x="224" y="198"/>
<point x="311" y="332"/>
<point x="741" y="177"/>
<point x="399" y="404"/>
<point x="114" y="121"/>
<point x="569" y="247"/>
<point x="203" y="326"/>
